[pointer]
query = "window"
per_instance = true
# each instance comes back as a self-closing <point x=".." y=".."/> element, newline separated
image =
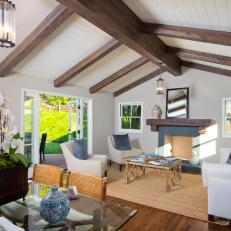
<point x="226" y="117"/>
<point x="130" y="117"/>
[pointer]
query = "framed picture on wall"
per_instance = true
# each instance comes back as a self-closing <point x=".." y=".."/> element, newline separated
<point x="177" y="103"/>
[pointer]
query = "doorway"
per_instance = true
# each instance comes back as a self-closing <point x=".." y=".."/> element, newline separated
<point x="62" y="118"/>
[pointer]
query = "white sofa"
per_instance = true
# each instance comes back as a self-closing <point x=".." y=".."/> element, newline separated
<point x="119" y="156"/>
<point x="217" y="177"/>
<point x="95" y="164"/>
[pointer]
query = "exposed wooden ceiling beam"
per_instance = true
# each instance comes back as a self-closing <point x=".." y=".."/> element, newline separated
<point x="116" y="19"/>
<point x="139" y="81"/>
<point x="117" y="75"/>
<point x="86" y="62"/>
<point x="58" y="16"/>
<point x="195" y="34"/>
<point x="211" y="69"/>
<point x="207" y="57"/>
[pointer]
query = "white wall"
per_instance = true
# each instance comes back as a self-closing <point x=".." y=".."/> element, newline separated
<point x="11" y="87"/>
<point x="206" y="93"/>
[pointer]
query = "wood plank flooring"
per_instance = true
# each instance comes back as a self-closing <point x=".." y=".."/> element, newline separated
<point x="151" y="219"/>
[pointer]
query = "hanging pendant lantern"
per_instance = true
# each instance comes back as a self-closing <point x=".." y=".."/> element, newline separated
<point x="7" y="24"/>
<point x="160" y="86"/>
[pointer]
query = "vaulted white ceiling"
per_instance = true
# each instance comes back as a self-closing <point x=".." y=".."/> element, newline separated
<point x="77" y="38"/>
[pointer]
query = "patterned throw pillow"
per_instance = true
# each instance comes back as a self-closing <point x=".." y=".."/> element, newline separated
<point x="229" y="159"/>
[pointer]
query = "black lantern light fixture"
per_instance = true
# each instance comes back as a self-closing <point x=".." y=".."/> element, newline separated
<point x="7" y="23"/>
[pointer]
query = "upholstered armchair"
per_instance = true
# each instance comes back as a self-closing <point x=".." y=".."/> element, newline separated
<point x="95" y="164"/>
<point x="217" y="177"/>
<point x="119" y="156"/>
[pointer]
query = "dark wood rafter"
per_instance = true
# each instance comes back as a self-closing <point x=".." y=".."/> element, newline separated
<point x="116" y="19"/>
<point x="195" y="34"/>
<point x="206" y="68"/>
<point x="57" y="17"/>
<point x="86" y="62"/>
<point x="139" y="81"/>
<point x="119" y="74"/>
<point x="212" y="58"/>
<point x="201" y="123"/>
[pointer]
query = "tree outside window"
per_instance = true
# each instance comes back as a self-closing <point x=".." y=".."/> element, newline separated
<point x="130" y="117"/>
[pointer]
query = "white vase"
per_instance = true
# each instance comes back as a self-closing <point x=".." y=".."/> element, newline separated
<point x="156" y="112"/>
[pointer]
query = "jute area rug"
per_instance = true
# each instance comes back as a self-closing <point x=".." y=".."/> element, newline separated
<point x="189" y="198"/>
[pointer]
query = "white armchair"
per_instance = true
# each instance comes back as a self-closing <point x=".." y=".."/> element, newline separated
<point x="217" y="177"/>
<point x="119" y="156"/>
<point x="95" y="164"/>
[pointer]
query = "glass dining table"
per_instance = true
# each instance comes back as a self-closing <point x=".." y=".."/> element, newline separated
<point x="86" y="214"/>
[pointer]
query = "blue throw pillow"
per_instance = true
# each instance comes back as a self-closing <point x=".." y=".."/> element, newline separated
<point x="122" y="142"/>
<point x="80" y="150"/>
<point x="229" y="159"/>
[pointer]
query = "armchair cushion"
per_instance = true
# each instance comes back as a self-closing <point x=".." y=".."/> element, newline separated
<point x="122" y="142"/>
<point x="80" y="150"/>
<point x="131" y="153"/>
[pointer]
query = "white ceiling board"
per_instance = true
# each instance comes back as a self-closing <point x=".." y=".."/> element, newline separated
<point x="197" y="46"/>
<point x="28" y="16"/>
<point x="67" y="46"/>
<point x="207" y="14"/>
<point x="207" y="63"/>
<point x="131" y="77"/>
<point x="105" y="67"/>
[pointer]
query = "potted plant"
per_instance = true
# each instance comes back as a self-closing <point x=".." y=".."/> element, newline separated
<point x="13" y="165"/>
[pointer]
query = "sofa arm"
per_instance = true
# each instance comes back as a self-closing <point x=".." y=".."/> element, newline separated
<point x="94" y="167"/>
<point x="210" y="170"/>
<point x="219" y="202"/>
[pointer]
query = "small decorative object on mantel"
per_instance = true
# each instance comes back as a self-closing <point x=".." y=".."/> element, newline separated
<point x="55" y="206"/>
<point x="156" y="112"/>
<point x="13" y="165"/>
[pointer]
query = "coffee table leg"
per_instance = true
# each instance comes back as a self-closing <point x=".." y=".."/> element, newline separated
<point x="126" y="173"/>
<point x="168" y="187"/>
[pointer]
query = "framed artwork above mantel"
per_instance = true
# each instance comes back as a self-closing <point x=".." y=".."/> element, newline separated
<point x="177" y="103"/>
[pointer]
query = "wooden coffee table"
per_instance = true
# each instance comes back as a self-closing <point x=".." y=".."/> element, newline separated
<point x="171" y="171"/>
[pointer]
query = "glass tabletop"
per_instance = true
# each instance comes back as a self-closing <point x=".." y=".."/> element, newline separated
<point x="85" y="214"/>
<point x="157" y="161"/>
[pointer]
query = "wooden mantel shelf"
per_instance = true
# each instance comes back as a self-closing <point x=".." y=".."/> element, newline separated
<point x="201" y="123"/>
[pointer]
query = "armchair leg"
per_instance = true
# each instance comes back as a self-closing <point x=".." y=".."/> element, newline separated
<point x="121" y="167"/>
<point x="105" y="174"/>
<point x="211" y="218"/>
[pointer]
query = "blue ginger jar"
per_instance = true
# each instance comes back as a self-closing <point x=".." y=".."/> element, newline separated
<point x="55" y="206"/>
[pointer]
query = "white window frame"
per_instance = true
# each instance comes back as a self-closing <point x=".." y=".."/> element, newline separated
<point x="224" y="117"/>
<point x="119" y="117"/>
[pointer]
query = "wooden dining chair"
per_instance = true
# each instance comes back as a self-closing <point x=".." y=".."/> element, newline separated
<point x="47" y="174"/>
<point x="88" y="185"/>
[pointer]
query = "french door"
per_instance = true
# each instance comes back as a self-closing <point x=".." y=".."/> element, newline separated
<point x="79" y="117"/>
<point x="31" y="126"/>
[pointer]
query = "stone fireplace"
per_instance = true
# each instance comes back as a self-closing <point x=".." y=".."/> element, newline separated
<point x="177" y="141"/>
<point x="176" y="137"/>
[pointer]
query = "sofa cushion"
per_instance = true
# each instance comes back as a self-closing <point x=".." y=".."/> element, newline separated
<point x="229" y="159"/>
<point x="80" y="150"/>
<point x="122" y="142"/>
<point x="131" y="153"/>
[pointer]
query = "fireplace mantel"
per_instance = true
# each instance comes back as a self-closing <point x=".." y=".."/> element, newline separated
<point x="201" y="123"/>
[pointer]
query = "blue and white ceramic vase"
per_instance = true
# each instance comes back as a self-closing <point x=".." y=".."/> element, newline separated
<point x="55" y="206"/>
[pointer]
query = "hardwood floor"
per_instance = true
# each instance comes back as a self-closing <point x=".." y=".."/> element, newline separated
<point x="151" y="219"/>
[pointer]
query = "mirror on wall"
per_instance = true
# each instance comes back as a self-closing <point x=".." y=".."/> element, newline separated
<point x="177" y="103"/>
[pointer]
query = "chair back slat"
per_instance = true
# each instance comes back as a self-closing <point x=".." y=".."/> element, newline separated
<point x="47" y="174"/>
<point x="92" y="186"/>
